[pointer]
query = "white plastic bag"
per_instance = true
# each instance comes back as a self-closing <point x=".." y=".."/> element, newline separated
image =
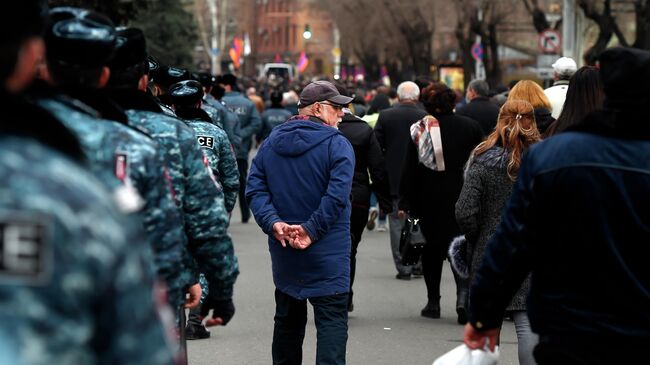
<point x="462" y="355"/>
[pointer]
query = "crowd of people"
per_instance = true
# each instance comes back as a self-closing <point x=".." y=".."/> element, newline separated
<point x="118" y="175"/>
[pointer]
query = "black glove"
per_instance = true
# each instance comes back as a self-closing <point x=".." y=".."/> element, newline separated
<point x="222" y="308"/>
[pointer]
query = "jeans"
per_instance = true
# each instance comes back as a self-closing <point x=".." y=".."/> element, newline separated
<point x="331" y="318"/>
<point x="396" y="226"/>
<point x="242" y="166"/>
<point x="526" y="338"/>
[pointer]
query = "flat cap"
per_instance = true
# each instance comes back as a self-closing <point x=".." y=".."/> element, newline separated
<point x="186" y="93"/>
<point x="79" y="37"/>
<point x="130" y="48"/>
<point x="167" y="76"/>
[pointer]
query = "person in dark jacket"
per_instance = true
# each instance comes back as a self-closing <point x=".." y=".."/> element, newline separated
<point x="480" y="107"/>
<point x="368" y="160"/>
<point x="392" y="131"/>
<point x="275" y="115"/>
<point x="299" y="192"/>
<point x="589" y="294"/>
<point x="430" y="195"/>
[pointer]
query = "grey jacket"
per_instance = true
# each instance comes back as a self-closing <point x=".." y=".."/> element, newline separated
<point x="485" y="192"/>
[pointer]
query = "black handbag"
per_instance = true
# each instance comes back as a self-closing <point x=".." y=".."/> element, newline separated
<point x="412" y="242"/>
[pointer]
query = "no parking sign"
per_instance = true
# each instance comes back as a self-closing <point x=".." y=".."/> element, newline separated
<point x="549" y="41"/>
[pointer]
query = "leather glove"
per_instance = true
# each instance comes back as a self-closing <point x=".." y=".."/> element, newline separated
<point x="223" y="309"/>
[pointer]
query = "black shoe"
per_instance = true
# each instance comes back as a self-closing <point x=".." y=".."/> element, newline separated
<point x="417" y="273"/>
<point x="194" y="332"/>
<point x="431" y="310"/>
<point x="462" y="315"/>
<point x="401" y="276"/>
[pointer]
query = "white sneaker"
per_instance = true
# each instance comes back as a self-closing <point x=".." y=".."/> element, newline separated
<point x="381" y="227"/>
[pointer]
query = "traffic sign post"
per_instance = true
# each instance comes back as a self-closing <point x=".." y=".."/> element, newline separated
<point x="549" y="41"/>
<point x="477" y="51"/>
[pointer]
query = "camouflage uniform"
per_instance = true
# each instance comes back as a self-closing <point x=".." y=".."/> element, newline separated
<point x="220" y="156"/>
<point x="229" y="121"/>
<point x="77" y="293"/>
<point x="121" y="156"/>
<point x="200" y="203"/>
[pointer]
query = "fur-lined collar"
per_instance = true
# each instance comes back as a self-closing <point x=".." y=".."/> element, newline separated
<point x="193" y="114"/>
<point x="22" y="118"/>
<point x="135" y="99"/>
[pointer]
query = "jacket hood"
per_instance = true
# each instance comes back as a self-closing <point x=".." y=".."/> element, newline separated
<point x="299" y="135"/>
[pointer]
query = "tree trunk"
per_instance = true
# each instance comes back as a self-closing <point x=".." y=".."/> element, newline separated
<point x="492" y="64"/>
<point x="642" y="15"/>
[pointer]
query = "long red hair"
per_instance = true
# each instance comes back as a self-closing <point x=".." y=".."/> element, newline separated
<point x="515" y="131"/>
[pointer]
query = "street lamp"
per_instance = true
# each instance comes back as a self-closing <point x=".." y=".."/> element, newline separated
<point x="307" y="33"/>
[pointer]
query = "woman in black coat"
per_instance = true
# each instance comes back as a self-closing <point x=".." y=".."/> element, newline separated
<point x="431" y="195"/>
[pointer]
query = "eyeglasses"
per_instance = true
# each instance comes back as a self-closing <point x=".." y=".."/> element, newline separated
<point x="335" y="106"/>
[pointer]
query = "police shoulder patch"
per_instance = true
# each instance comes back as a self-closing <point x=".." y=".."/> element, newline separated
<point x="205" y="141"/>
<point x="25" y="249"/>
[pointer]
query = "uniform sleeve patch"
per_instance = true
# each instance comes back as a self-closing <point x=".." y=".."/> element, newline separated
<point x="25" y="249"/>
<point x="206" y="141"/>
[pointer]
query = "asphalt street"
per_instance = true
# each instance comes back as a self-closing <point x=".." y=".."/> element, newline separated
<point x="385" y="327"/>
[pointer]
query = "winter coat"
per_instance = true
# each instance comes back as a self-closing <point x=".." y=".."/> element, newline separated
<point x="368" y="158"/>
<point x="482" y="110"/>
<point x="556" y="94"/>
<point x="486" y="189"/>
<point x="302" y="174"/>
<point x="249" y="120"/>
<point x="393" y="134"/>
<point x="431" y="195"/>
<point x="543" y="119"/>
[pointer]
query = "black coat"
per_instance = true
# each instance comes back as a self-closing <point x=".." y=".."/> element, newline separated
<point x="432" y="195"/>
<point x="393" y="134"/>
<point x="482" y="110"/>
<point x="368" y="158"/>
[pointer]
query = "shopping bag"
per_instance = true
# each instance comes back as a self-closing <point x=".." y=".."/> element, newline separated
<point x="462" y="355"/>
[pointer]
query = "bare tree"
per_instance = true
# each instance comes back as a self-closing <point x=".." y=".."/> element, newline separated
<point x="539" y="16"/>
<point x="481" y="17"/>
<point x="601" y="13"/>
<point x="377" y="33"/>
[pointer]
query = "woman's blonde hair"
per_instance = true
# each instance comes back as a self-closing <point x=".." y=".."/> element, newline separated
<point x="515" y="131"/>
<point x="531" y="92"/>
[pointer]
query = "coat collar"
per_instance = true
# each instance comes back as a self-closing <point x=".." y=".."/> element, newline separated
<point x="134" y="99"/>
<point x="629" y="124"/>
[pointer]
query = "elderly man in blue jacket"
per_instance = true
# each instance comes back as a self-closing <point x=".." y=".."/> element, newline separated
<point x="299" y="192"/>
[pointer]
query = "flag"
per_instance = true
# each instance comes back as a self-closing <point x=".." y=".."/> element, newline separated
<point x="277" y="58"/>
<point x="303" y="62"/>
<point x="236" y="51"/>
<point x="247" y="45"/>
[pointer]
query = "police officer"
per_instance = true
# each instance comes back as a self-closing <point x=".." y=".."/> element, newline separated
<point x="80" y="42"/>
<point x="186" y="98"/>
<point x="229" y="121"/>
<point x="70" y="274"/>
<point x="201" y="204"/>
<point x="274" y="115"/>
<point x="250" y="123"/>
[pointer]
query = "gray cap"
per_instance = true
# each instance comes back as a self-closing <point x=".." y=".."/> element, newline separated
<point x="322" y="91"/>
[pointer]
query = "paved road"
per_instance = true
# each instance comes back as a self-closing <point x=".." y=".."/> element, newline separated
<point x="385" y="327"/>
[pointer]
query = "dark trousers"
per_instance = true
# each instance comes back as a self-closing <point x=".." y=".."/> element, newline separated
<point x="358" y="221"/>
<point x="242" y="166"/>
<point x="433" y="257"/>
<point x="331" y="318"/>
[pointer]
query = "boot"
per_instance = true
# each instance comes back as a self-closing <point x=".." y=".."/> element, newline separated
<point x="461" y="305"/>
<point x="432" y="309"/>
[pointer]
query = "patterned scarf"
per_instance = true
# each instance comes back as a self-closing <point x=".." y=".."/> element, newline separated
<point x="425" y="133"/>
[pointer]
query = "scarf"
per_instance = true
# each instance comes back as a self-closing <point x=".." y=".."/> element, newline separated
<point x="425" y="133"/>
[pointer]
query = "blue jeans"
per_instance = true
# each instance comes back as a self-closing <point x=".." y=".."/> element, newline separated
<point x="331" y="318"/>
